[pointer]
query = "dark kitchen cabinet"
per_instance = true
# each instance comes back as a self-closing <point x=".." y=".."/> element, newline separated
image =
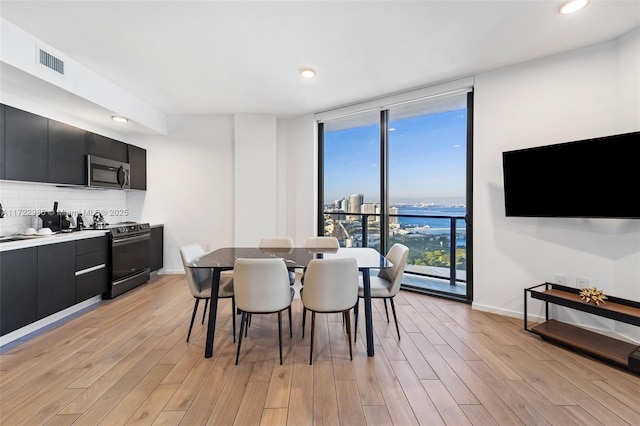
<point x="17" y="289"/>
<point x="67" y="154"/>
<point x="56" y="288"/>
<point x="138" y="162"/>
<point x="92" y="267"/>
<point x="2" y="141"/>
<point x="37" y="149"/>
<point x="25" y="146"/>
<point x="156" y="248"/>
<point x="102" y="146"/>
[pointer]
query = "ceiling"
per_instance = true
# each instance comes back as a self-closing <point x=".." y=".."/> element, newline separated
<point x="221" y="57"/>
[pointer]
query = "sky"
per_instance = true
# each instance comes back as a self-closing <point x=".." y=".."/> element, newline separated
<point x="427" y="160"/>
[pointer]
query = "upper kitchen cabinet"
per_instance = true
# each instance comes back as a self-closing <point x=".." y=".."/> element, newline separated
<point x="138" y="162"/>
<point x="102" y="146"/>
<point x="67" y="154"/>
<point x="25" y="146"/>
<point x="2" y="141"/>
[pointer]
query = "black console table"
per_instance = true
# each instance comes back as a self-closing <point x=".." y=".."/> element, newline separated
<point x="621" y="353"/>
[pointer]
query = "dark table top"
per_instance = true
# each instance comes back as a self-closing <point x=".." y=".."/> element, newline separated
<point x="224" y="258"/>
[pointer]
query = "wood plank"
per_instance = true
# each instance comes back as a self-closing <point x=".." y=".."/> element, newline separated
<point x="349" y="407"/>
<point x="151" y="408"/>
<point x="252" y="405"/>
<point x="274" y="417"/>
<point x="302" y="392"/>
<point x="421" y="404"/>
<point x="279" y="386"/>
<point x="325" y="398"/>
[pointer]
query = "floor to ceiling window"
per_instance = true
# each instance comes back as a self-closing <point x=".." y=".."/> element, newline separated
<point x="401" y="173"/>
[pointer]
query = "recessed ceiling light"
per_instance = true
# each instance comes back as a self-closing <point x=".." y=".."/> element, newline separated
<point x="119" y="119"/>
<point x="572" y="6"/>
<point x="307" y="73"/>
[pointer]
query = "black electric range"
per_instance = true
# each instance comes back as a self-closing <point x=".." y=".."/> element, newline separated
<point x="129" y="256"/>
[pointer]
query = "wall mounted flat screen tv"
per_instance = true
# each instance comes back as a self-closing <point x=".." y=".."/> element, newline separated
<point x="592" y="178"/>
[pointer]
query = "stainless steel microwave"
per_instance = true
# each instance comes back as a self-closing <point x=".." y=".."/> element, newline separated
<point x="106" y="173"/>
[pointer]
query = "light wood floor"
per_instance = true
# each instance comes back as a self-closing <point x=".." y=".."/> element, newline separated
<point x="126" y="362"/>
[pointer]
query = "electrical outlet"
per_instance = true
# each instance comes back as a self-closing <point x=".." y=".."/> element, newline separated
<point x="582" y="282"/>
<point x="560" y="279"/>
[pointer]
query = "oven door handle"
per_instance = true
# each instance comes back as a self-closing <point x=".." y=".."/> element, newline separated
<point x="121" y="241"/>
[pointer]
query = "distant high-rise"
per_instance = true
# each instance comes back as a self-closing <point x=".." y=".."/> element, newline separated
<point x="355" y="201"/>
<point x="372" y="209"/>
<point x="393" y="220"/>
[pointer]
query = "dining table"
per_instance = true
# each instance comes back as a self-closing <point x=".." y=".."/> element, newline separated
<point x="223" y="259"/>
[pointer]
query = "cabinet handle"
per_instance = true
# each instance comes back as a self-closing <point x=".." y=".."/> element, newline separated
<point x="93" y="268"/>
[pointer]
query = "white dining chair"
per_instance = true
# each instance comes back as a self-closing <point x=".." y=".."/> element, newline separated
<point x="324" y="243"/>
<point x="261" y="286"/>
<point x="331" y="287"/>
<point x="200" y="280"/>
<point x="387" y="284"/>
<point x="278" y="243"/>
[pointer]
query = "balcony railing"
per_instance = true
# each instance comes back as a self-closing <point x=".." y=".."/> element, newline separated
<point x="431" y="248"/>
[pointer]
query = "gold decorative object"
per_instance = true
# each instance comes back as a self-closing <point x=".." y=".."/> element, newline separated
<point x="592" y="295"/>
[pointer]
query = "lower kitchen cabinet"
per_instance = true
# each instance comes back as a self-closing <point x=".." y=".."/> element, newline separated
<point x="156" y="248"/>
<point x="92" y="268"/>
<point x="36" y="282"/>
<point x="56" y="278"/>
<point x="18" y="278"/>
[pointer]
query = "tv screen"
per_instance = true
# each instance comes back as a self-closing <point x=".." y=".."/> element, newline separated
<point x="592" y="178"/>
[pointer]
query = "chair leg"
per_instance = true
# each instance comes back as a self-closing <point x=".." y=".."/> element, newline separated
<point x="280" y="334"/>
<point x="386" y="310"/>
<point x="243" y="320"/>
<point x="233" y="317"/>
<point x="290" y="324"/>
<point x="355" y="326"/>
<point x="193" y="316"/>
<point x="304" y="319"/>
<point x="395" y="318"/>
<point x="313" y="327"/>
<point x="204" y="313"/>
<point x="347" y="318"/>
<point x="246" y="328"/>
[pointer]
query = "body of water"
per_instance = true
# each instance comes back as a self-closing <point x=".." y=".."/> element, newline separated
<point x="433" y="223"/>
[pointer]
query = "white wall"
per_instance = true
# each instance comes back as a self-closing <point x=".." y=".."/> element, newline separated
<point x="190" y="184"/>
<point x="581" y="94"/>
<point x="300" y="187"/>
<point x="255" y="178"/>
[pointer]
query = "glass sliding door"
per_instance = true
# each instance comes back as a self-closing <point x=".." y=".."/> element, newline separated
<point x="427" y="193"/>
<point x="351" y="196"/>
<point x="402" y="174"/>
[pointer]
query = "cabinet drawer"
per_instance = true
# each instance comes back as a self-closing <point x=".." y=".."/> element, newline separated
<point x="90" y="245"/>
<point x="91" y="259"/>
<point x="91" y="284"/>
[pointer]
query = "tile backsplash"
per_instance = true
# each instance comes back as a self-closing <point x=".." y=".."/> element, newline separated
<point x="23" y="201"/>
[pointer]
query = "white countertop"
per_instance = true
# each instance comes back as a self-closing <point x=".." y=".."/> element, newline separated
<point x="52" y="239"/>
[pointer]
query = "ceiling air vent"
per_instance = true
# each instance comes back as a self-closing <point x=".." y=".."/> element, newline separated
<point x="50" y="61"/>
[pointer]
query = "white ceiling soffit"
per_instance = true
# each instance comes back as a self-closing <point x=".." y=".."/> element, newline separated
<point x="225" y="57"/>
